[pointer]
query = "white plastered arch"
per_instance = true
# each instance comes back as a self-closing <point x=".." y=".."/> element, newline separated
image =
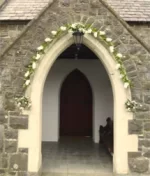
<point x="31" y="138"/>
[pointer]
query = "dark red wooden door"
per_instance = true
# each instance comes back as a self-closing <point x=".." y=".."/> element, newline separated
<point x="76" y="106"/>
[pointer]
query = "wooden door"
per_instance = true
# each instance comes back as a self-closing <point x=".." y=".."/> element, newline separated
<point x="76" y="106"/>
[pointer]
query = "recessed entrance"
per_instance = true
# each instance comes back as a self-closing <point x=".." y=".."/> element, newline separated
<point x="122" y="140"/>
<point x="76" y="106"/>
<point x="81" y="91"/>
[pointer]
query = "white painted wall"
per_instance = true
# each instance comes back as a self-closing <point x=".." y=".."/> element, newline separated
<point x="101" y="88"/>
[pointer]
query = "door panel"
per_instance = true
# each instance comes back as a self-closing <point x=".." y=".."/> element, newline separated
<point x="76" y="106"/>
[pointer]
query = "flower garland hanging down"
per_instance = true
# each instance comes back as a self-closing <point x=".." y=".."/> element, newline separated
<point x="23" y="102"/>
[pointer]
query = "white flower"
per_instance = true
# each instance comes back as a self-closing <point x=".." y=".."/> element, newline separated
<point x="54" y="32"/>
<point x="111" y="48"/>
<point x="118" y="66"/>
<point x="48" y="40"/>
<point x="6" y="117"/>
<point x="73" y="25"/>
<point x="121" y="76"/>
<point x="141" y="105"/>
<point x="119" y="55"/>
<point x="95" y="34"/>
<point x="102" y="33"/>
<point x="40" y="48"/>
<point x="128" y="103"/>
<point x="27" y="82"/>
<point x="27" y="74"/>
<point x="108" y="39"/>
<point x="63" y="28"/>
<point x="126" y="85"/>
<point x="129" y="109"/>
<point x="82" y="30"/>
<point x="19" y="104"/>
<point x="34" y="65"/>
<point x="89" y="31"/>
<point x="37" y="56"/>
<point x="15" y="166"/>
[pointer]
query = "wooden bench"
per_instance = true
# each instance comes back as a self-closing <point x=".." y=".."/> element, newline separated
<point x="106" y="135"/>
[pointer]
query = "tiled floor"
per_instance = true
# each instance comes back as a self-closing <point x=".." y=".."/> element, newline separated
<point x="75" y="157"/>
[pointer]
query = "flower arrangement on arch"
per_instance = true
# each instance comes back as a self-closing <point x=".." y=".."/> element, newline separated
<point x="132" y="105"/>
<point x="71" y="28"/>
<point x="23" y="102"/>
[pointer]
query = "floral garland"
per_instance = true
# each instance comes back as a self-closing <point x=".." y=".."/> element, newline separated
<point x="23" y="102"/>
<point x="132" y="105"/>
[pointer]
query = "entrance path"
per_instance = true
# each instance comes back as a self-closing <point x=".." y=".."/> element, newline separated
<point x="75" y="157"/>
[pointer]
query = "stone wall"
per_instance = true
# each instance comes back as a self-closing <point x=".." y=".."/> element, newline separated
<point x="12" y="158"/>
<point x="142" y="30"/>
<point x="9" y="31"/>
<point x="12" y="68"/>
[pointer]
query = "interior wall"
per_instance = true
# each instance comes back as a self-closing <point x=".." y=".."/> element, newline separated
<point x="101" y="88"/>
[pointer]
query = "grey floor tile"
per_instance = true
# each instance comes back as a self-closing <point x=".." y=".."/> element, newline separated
<point x="75" y="157"/>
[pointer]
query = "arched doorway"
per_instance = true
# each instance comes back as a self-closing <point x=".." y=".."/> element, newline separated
<point x="75" y="98"/>
<point x="76" y="106"/>
<point x="121" y="116"/>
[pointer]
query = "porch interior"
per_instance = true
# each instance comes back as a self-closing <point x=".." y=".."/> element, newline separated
<point x="77" y="100"/>
<point x="75" y="156"/>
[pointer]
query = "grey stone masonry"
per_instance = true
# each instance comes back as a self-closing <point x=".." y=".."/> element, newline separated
<point x="10" y="146"/>
<point x="23" y="150"/>
<point x="11" y="134"/>
<point x="1" y="138"/>
<point x="12" y="159"/>
<point x="2" y="118"/>
<point x="147" y="126"/>
<point x="135" y="127"/>
<point x="14" y="59"/>
<point x="19" y="122"/>
<point x="143" y="31"/>
<point x="139" y="165"/>
<point x="3" y="161"/>
<point x="9" y="31"/>
<point x="18" y="162"/>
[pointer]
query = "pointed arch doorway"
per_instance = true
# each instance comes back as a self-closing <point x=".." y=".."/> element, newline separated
<point x="76" y="106"/>
<point x="121" y="116"/>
